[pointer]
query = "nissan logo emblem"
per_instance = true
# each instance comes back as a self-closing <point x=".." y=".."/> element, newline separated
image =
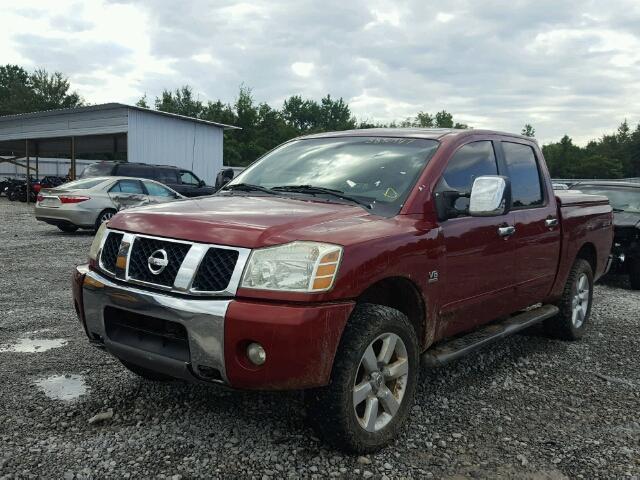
<point x="158" y="261"/>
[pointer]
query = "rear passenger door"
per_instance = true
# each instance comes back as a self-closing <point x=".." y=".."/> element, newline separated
<point x="478" y="261"/>
<point x="128" y="193"/>
<point x="537" y="236"/>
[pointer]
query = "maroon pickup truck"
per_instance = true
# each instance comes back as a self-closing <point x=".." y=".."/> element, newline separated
<point x="342" y="263"/>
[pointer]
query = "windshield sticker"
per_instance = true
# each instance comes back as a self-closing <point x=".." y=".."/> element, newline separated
<point x="391" y="193"/>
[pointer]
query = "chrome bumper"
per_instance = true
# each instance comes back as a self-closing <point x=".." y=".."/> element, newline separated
<point x="203" y="321"/>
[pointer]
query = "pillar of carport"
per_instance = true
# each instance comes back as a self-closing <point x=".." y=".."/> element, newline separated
<point x="28" y="174"/>
<point x="73" y="158"/>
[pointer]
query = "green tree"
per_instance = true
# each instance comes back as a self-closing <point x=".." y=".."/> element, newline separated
<point x="23" y="92"/>
<point x="444" y="119"/>
<point x="181" y="101"/>
<point x="598" y="166"/>
<point x="51" y="91"/>
<point x="528" y="130"/>
<point x="142" y="102"/>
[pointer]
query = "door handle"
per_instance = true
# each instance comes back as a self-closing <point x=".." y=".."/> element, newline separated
<point x="551" y="222"/>
<point x="506" y="231"/>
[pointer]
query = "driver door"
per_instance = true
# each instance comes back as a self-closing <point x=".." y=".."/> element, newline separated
<point x="479" y="262"/>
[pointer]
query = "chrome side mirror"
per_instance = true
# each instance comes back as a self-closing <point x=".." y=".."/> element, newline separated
<point x="490" y="196"/>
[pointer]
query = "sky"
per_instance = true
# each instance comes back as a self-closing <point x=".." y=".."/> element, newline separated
<point x="566" y="67"/>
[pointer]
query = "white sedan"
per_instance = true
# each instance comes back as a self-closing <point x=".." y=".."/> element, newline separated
<point x="89" y="202"/>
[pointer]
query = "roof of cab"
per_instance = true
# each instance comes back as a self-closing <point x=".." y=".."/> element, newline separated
<point x="426" y="133"/>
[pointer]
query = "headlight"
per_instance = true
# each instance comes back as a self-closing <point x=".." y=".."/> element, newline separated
<point x="97" y="241"/>
<point x="296" y="267"/>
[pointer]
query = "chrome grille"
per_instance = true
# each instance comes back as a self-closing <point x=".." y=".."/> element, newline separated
<point x="142" y="249"/>
<point x="215" y="270"/>
<point x="192" y="268"/>
<point x="110" y="249"/>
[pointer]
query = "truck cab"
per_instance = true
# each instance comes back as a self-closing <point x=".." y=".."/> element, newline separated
<point x="341" y="262"/>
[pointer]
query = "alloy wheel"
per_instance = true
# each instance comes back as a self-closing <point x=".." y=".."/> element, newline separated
<point x="381" y="382"/>
<point x="580" y="301"/>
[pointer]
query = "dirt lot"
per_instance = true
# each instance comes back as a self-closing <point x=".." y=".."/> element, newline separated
<point x="528" y="407"/>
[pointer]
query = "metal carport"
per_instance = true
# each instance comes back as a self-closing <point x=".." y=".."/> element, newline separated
<point x="113" y="131"/>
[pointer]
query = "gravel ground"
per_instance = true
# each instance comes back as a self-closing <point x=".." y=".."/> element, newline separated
<point x="527" y="407"/>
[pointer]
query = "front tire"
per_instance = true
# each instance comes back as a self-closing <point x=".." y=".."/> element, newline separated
<point x="575" y="304"/>
<point x="373" y="382"/>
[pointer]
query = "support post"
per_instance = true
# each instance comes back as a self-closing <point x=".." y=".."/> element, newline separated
<point x="28" y="176"/>
<point x="37" y="160"/>
<point x="73" y="158"/>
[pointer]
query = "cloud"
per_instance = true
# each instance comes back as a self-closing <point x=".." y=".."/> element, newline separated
<point x="566" y="67"/>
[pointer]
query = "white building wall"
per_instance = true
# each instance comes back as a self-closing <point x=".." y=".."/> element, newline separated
<point x="172" y="141"/>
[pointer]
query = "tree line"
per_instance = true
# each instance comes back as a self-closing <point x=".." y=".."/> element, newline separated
<point x="264" y="126"/>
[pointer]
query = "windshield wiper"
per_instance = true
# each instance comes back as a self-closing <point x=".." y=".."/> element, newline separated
<point x="320" y="190"/>
<point x="617" y="209"/>
<point x="248" y="187"/>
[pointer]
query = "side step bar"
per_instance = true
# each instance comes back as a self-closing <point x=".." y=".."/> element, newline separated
<point x="455" y="348"/>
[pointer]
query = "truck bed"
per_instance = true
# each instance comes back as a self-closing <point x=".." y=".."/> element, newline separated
<point x="586" y="223"/>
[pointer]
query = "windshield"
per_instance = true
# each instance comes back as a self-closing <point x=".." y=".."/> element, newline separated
<point x="379" y="171"/>
<point x="620" y="198"/>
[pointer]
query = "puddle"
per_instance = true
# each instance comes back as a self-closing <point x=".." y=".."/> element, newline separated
<point x="32" y="345"/>
<point x="63" y="387"/>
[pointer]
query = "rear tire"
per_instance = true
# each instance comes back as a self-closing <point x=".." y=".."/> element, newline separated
<point x="634" y="273"/>
<point x="145" y="373"/>
<point x="104" y="216"/>
<point x="373" y="382"/>
<point x="67" y="228"/>
<point x="575" y="304"/>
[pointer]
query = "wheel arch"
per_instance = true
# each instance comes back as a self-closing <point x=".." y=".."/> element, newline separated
<point x="403" y="295"/>
<point x="589" y="253"/>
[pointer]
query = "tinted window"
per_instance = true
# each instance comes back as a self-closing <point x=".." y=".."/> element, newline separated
<point x="468" y="163"/>
<point x="127" y="186"/>
<point x="157" y="190"/>
<point x="523" y="172"/>
<point x="96" y="170"/>
<point x="188" y="178"/>
<point x="166" y="175"/>
<point x="139" y="171"/>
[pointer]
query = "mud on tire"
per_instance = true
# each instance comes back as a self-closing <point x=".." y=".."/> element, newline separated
<point x="575" y="304"/>
<point x="333" y="411"/>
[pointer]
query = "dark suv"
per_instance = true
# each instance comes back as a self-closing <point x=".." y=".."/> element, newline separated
<point x="625" y="200"/>
<point x="182" y="181"/>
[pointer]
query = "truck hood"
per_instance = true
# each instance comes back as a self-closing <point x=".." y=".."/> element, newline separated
<point x="245" y="221"/>
<point x="626" y="219"/>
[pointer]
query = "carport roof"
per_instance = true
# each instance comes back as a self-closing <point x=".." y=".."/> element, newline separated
<point x="109" y="106"/>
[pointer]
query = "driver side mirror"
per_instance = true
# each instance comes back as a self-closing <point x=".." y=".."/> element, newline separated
<point x="224" y="177"/>
<point x="490" y="196"/>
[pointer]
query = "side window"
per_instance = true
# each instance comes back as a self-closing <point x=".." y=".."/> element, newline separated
<point x="167" y="175"/>
<point x="526" y="189"/>
<point x="468" y="163"/>
<point x="188" y="178"/>
<point x="138" y="171"/>
<point x="157" y="190"/>
<point x="128" y="186"/>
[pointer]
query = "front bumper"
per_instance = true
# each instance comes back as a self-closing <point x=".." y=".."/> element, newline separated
<point x="300" y="341"/>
